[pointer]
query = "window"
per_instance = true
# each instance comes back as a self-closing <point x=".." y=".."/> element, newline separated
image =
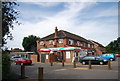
<point x="60" y="41"/>
<point x="92" y="46"/>
<point x="88" y="45"/>
<point x="41" y="43"/>
<point x="78" y="43"/>
<point x="70" y="42"/>
<point x="50" y="41"/>
<point x="84" y="44"/>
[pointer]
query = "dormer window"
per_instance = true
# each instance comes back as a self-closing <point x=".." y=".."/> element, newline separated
<point x="41" y="43"/>
<point x="50" y="41"/>
<point x="70" y="42"/>
<point x="60" y="41"/>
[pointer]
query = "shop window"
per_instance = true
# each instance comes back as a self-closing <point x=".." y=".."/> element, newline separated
<point x="70" y="42"/>
<point x="41" y="43"/>
<point x="50" y="41"/>
<point x="60" y="41"/>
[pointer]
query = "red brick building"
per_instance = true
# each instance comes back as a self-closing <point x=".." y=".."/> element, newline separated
<point x="63" y="45"/>
<point x="99" y="48"/>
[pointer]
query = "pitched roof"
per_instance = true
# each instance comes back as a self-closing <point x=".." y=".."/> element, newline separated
<point x="65" y="34"/>
<point x="96" y="43"/>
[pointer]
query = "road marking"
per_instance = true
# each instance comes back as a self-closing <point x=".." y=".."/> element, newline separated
<point x="60" y="69"/>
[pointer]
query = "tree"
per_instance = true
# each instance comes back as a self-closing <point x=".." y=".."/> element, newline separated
<point x="114" y="46"/>
<point x="9" y="16"/>
<point x="29" y="43"/>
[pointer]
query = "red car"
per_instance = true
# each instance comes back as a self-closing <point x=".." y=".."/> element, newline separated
<point x="23" y="61"/>
<point x="117" y="55"/>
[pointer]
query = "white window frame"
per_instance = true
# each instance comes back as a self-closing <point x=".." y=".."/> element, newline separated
<point x="92" y="46"/>
<point x="71" y="42"/>
<point x="84" y="44"/>
<point x="50" y="41"/>
<point x="60" y="41"/>
<point x="88" y="45"/>
<point x="78" y="43"/>
<point x="41" y="43"/>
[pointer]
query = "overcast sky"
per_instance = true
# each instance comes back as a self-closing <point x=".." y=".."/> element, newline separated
<point x="97" y="21"/>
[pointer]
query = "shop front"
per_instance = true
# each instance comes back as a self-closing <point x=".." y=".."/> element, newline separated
<point x="68" y="54"/>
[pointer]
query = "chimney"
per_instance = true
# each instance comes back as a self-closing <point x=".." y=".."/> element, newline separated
<point x="56" y="32"/>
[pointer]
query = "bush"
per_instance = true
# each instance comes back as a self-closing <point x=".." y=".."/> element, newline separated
<point x="6" y="64"/>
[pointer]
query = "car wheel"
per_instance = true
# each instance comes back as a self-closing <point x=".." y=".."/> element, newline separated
<point x="83" y="63"/>
<point x="21" y="64"/>
<point x="111" y="59"/>
<point x="101" y="63"/>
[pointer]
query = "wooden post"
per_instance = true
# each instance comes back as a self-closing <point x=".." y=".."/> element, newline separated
<point x="40" y="73"/>
<point x="109" y="65"/>
<point x="74" y="64"/>
<point x="51" y="60"/>
<point x="90" y="67"/>
<point x="62" y="63"/>
<point x="22" y="71"/>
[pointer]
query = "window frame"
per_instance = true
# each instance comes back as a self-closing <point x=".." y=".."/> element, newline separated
<point x="41" y="43"/>
<point x="50" y="42"/>
<point x="60" y="41"/>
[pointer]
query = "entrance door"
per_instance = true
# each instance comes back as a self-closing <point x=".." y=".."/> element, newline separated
<point x="43" y="58"/>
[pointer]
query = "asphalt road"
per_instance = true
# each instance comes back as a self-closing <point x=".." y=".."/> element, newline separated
<point x="68" y="72"/>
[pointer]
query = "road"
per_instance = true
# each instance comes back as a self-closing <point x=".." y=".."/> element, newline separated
<point x="68" y="72"/>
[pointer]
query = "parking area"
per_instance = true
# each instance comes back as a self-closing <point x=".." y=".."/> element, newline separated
<point x="69" y="72"/>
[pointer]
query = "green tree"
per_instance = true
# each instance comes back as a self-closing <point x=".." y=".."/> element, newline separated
<point x="114" y="46"/>
<point x="9" y="17"/>
<point x="29" y="43"/>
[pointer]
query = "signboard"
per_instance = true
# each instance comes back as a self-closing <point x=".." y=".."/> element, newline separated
<point x="67" y="55"/>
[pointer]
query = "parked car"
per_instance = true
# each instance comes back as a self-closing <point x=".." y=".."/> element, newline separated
<point x="108" y="56"/>
<point x="14" y="58"/>
<point x="23" y="61"/>
<point x="117" y="55"/>
<point x="93" y="59"/>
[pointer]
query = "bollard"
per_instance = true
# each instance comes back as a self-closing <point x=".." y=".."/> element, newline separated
<point x="90" y="67"/>
<point x="51" y="63"/>
<point x="62" y="63"/>
<point x="74" y="64"/>
<point x="40" y="73"/>
<point x="109" y="65"/>
<point x="22" y="71"/>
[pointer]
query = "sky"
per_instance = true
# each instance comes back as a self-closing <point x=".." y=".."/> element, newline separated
<point x="96" y="21"/>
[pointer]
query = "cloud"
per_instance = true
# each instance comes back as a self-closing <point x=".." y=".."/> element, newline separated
<point x="69" y="19"/>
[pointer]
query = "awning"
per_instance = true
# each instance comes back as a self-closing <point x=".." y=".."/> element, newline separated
<point x="61" y="49"/>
